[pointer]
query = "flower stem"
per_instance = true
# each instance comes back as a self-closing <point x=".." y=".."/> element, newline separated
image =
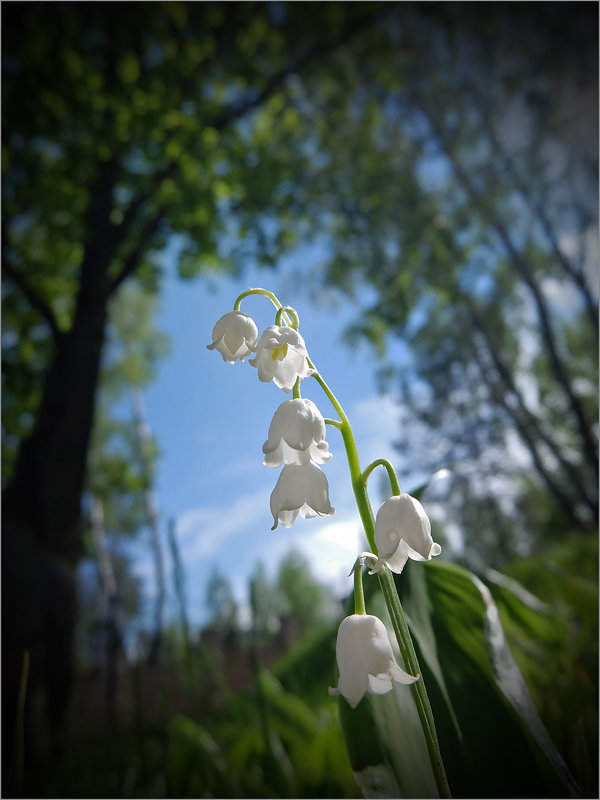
<point x="383" y="462"/>
<point x="359" y="485"/>
<point x="334" y="422"/>
<point x="359" y="594"/>
<point x="288" y="311"/>
<point x="388" y="587"/>
<point x="272" y="298"/>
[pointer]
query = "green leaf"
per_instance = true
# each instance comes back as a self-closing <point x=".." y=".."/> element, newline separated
<point x="385" y="741"/>
<point x="387" y="746"/>
<point x="492" y="739"/>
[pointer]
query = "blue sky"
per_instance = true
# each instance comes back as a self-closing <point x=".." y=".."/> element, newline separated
<point x="211" y="419"/>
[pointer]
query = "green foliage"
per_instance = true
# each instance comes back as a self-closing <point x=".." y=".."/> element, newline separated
<point x="221" y="603"/>
<point x="301" y="753"/>
<point x="118" y="472"/>
<point x="243" y="132"/>
<point x="389" y="759"/>
<point x="302" y="597"/>
<point x="463" y="232"/>
<point x="139" y="132"/>
<point x="560" y="661"/>
<point x="121" y="469"/>
<point x="511" y="679"/>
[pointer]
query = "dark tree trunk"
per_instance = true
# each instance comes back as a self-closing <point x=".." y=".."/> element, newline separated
<point x="42" y="526"/>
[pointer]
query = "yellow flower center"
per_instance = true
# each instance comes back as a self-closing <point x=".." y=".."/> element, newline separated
<point x="279" y="353"/>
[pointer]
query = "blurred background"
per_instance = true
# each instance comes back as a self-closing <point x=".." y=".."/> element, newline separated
<point x="418" y="180"/>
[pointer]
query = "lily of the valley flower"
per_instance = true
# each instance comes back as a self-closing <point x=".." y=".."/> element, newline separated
<point x="296" y="435"/>
<point x="281" y="357"/>
<point x="403" y="530"/>
<point x="234" y="336"/>
<point x="365" y="659"/>
<point x="301" y="489"/>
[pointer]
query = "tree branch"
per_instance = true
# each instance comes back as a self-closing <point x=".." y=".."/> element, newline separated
<point x="527" y="274"/>
<point x="33" y="298"/>
<point x="299" y="63"/>
<point x="565" y="503"/>
<point x="525" y="420"/>
<point x="226" y="118"/>
<point x="575" y="274"/>
<point x="134" y="258"/>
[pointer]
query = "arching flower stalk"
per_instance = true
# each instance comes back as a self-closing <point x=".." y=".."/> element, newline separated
<point x="401" y="530"/>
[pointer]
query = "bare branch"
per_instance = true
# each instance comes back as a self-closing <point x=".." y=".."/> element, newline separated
<point x="529" y="278"/>
<point x="524" y="419"/>
<point x="576" y="274"/>
<point x="554" y="487"/>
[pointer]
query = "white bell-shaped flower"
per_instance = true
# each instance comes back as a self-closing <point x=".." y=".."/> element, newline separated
<point x="365" y="659"/>
<point x="403" y="530"/>
<point x="301" y="489"/>
<point x="281" y="357"/>
<point x="234" y="336"/>
<point x="296" y="435"/>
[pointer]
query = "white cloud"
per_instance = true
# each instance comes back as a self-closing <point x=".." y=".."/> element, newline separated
<point x="203" y="531"/>
<point x="234" y="468"/>
<point x="332" y="547"/>
<point x="376" y="421"/>
<point x="240" y="528"/>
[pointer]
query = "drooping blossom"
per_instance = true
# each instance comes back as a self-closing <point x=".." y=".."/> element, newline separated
<point x="403" y="530"/>
<point x="234" y="336"/>
<point x="365" y="659"/>
<point x="301" y="489"/>
<point x="281" y="357"/>
<point x="296" y="435"/>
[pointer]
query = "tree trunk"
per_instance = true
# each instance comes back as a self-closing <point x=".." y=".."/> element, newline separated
<point x="42" y="526"/>
<point x="111" y="615"/>
<point x="144" y="439"/>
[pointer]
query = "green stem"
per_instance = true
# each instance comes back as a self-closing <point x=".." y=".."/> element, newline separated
<point x="296" y="390"/>
<point x="359" y="594"/>
<point x="383" y="462"/>
<point x="388" y="586"/>
<point x="334" y="423"/>
<point x="288" y="311"/>
<point x="386" y="581"/>
<point x="358" y="486"/>
<point x="264" y="293"/>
